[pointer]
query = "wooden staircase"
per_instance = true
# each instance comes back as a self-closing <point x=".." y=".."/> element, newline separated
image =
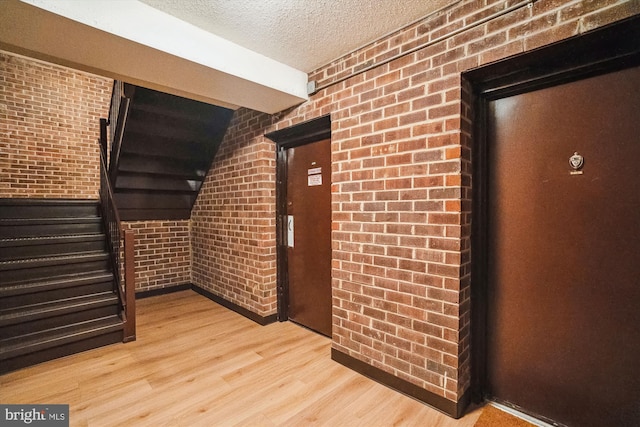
<point x="57" y="289"/>
<point x="163" y="146"/>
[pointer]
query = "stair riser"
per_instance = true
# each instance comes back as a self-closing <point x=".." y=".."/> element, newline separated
<point x="22" y="361"/>
<point x="44" y="250"/>
<point x="16" y="231"/>
<point x="41" y="273"/>
<point x="13" y="301"/>
<point x="54" y="321"/>
<point x="33" y="210"/>
<point x="170" y="119"/>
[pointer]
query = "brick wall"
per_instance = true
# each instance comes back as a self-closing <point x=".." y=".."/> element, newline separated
<point x="233" y="220"/>
<point x="162" y="253"/>
<point x="401" y="150"/>
<point x="49" y="129"/>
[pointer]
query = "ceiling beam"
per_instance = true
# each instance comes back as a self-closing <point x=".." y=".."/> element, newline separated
<point x="131" y="41"/>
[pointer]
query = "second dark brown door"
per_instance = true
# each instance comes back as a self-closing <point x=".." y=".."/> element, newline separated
<point x="309" y="235"/>
<point x="564" y="251"/>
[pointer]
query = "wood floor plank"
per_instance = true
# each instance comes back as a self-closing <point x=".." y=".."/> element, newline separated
<point x="321" y="390"/>
<point x="196" y="363"/>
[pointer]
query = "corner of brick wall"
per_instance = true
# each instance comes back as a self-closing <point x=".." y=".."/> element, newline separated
<point x="401" y="182"/>
<point x="233" y="220"/>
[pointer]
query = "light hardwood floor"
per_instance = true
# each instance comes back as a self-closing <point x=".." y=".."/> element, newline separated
<point x="196" y="363"/>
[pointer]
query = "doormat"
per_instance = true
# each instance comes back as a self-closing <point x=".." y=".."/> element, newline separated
<point x="494" y="417"/>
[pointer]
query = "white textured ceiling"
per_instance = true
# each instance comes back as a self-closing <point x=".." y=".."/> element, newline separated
<point x="303" y="34"/>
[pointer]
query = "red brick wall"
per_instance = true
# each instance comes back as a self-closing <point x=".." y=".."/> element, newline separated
<point x="401" y="149"/>
<point x="162" y="253"/>
<point x="233" y="220"/>
<point x="49" y="129"/>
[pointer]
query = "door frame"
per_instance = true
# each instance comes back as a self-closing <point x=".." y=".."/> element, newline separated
<point x="303" y="133"/>
<point x="610" y="48"/>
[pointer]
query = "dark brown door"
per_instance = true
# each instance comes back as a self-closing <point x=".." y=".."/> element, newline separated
<point x="309" y="235"/>
<point x="563" y="307"/>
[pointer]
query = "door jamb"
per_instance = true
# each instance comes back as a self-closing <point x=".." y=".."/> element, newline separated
<point x="607" y="49"/>
<point x="303" y="133"/>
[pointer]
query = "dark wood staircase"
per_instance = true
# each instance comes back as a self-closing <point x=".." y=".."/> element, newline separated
<point x="163" y="146"/>
<point x="57" y="289"/>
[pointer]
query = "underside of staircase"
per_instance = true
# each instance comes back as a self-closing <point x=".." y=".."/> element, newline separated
<point x="57" y="288"/>
<point x="162" y="149"/>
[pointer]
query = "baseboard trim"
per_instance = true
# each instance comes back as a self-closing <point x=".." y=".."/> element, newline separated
<point x="163" y="291"/>
<point x="262" y="320"/>
<point x="446" y="406"/>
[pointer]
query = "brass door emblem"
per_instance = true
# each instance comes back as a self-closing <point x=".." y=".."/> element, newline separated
<point x="576" y="162"/>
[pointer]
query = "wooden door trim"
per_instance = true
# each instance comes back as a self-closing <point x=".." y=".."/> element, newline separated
<point x="303" y="133"/>
<point x="610" y="48"/>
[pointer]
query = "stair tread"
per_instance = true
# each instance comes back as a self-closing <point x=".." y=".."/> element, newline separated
<point x="23" y="241"/>
<point x="52" y="259"/>
<point x="19" y="201"/>
<point x="49" y="221"/>
<point x="41" y="310"/>
<point x="23" y="344"/>
<point x="61" y="281"/>
<point x="79" y="261"/>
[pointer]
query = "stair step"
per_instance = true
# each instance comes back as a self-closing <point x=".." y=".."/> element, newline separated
<point x="181" y="115"/>
<point x="47" y="227"/>
<point x="144" y="143"/>
<point x="148" y="200"/>
<point x="21" y="321"/>
<point x="38" y="269"/>
<point x="34" y="318"/>
<point x="48" y="309"/>
<point x="147" y="129"/>
<point x="32" y="247"/>
<point x="153" y="214"/>
<point x="61" y="282"/>
<point x="172" y="103"/>
<point x="70" y="258"/>
<point x="48" y="221"/>
<point x="47" y="208"/>
<point x="147" y="205"/>
<point x="58" y="336"/>
<point x="129" y="180"/>
<point x="62" y="287"/>
<point x="163" y="166"/>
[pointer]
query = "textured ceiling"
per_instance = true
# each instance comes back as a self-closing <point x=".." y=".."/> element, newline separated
<point x="303" y="34"/>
